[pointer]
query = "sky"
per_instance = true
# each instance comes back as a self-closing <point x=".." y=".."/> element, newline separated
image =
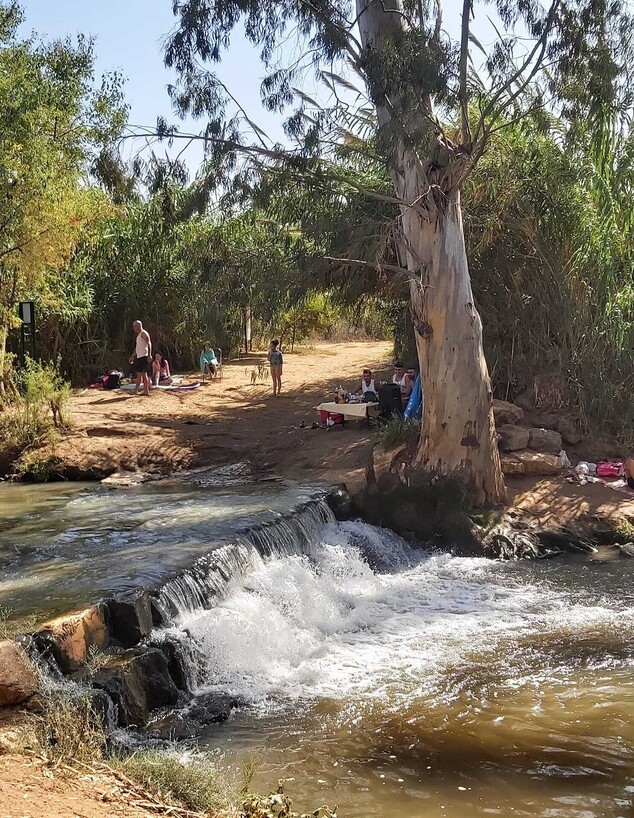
<point x="129" y="37"/>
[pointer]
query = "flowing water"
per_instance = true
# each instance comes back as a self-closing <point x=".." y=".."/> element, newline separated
<point x="64" y="545"/>
<point x="397" y="682"/>
<point x="389" y="680"/>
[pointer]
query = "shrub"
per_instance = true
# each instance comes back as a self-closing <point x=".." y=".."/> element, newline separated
<point x="397" y="430"/>
<point x="37" y="411"/>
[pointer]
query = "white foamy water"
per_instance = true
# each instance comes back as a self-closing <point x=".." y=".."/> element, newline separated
<point x="367" y="615"/>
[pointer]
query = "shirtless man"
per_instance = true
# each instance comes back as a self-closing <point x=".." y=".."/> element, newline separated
<point x="141" y="357"/>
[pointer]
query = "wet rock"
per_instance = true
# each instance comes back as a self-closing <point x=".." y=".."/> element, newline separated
<point x="340" y="503"/>
<point x="137" y="681"/>
<point x="512" y="438"/>
<point x="71" y="638"/>
<point x="511" y="466"/>
<point x="505" y="412"/>
<point x="540" y="464"/>
<point x="545" y="440"/>
<point x="172" y="649"/>
<point x="626" y="551"/>
<point x="18" y="679"/>
<point x="130" y="618"/>
<point x="213" y="708"/>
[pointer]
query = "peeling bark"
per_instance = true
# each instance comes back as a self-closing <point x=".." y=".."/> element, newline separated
<point x="458" y="437"/>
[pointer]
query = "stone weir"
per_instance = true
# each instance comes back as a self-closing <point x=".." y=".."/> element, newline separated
<point x="120" y="650"/>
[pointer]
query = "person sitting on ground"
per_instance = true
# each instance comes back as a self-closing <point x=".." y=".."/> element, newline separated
<point x="367" y="389"/>
<point x="161" y="370"/>
<point x="208" y="361"/>
<point x="402" y="381"/>
<point x="628" y="471"/>
<point x="276" y="361"/>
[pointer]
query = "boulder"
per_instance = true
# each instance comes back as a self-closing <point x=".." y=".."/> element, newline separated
<point x="70" y="638"/>
<point x="505" y="412"/>
<point x="130" y="618"/>
<point x="511" y="466"/>
<point x="512" y="438"/>
<point x="569" y="431"/>
<point x="545" y="440"/>
<point x="18" y="679"/>
<point x="137" y="681"/>
<point x="212" y="708"/>
<point x="538" y="463"/>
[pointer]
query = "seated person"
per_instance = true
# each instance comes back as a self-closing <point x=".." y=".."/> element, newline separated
<point x="402" y="381"/>
<point x="367" y="389"/>
<point x="208" y="360"/>
<point x="161" y="370"/>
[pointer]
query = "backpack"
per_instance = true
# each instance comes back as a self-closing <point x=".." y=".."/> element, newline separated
<point x="112" y="381"/>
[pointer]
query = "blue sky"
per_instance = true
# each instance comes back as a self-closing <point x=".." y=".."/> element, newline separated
<point x="129" y="36"/>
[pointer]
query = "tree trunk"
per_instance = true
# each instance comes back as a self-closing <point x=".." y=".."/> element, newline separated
<point x="458" y="430"/>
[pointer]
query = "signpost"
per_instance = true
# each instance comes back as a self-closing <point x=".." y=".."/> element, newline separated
<point x="27" y="330"/>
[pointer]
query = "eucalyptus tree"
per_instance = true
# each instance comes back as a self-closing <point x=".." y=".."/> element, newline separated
<point x="419" y="77"/>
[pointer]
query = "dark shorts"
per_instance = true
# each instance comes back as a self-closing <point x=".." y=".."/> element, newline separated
<point x="630" y="482"/>
<point x="140" y="364"/>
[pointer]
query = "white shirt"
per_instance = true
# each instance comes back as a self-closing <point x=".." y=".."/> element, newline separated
<point x="142" y="344"/>
<point x="367" y="387"/>
<point x="400" y="382"/>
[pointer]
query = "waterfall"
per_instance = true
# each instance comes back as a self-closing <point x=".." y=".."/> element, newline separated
<point x="212" y="576"/>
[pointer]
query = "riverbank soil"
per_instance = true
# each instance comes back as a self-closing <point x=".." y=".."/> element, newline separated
<point x="30" y="789"/>
<point x="229" y="420"/>
<point x="236" y="418"/>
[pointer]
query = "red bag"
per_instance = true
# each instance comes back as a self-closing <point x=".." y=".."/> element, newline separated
<point x="612" y="468"/>
<point x="335" y="417"/>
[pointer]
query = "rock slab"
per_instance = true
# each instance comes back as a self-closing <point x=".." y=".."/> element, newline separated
<point x="130" y="618"/>
<point x="538" y="464"/>
<point x="545" y="440"/>
<point x="137" y="681"/>
<point x="505" y="412"/>
<point x="512" y="438"/>
<point x="72" y="637"/>
<point x="18" y="679"/>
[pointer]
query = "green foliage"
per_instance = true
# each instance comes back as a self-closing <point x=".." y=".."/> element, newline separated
<point x="397" y="430"/>
<point x="279" y="805"/>
<point x="37" y="412"/>
<point x="67" y="728"/>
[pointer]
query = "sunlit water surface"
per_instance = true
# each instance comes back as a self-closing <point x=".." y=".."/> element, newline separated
<point x="395" y="682"/>
<point x="65" y="545"/>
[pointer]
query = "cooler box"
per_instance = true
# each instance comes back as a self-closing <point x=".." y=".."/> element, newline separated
<point x="336" y="418"/>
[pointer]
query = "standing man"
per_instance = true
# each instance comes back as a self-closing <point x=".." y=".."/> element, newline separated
<point x="141" y="357"/>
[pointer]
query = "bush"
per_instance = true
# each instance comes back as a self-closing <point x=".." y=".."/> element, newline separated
<point x="37" y="411"/>
<point x="397" y="430"/>
<point x="68" y="728"/>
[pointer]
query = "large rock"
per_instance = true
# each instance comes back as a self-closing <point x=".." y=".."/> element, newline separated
<point x="545" y="440"/>
<point x="505" y="412"/>
<point x="18" y="679"/>
<point x="538" y="463"/>
<point x="71" y="638"/>
<point x="512" y="438"/>
<point x="130" y="618"/>
<point x="569" y="431"/>
<point x="137" y="681"/>
<point x="511" y="466"/>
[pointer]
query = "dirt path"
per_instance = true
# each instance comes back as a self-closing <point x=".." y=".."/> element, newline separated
<point x="231" y="419"/>
<point x="29" y="789"/>
<point x="234" y="419"/>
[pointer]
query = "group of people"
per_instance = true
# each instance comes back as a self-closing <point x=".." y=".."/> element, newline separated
<point x="402" y="377"/>
<point x="155" y="369"/>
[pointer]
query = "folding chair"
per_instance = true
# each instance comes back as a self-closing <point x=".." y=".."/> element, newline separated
<point x="218" y="354"/>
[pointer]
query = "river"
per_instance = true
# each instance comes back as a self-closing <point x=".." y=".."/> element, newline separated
<point x="399" y="682"/>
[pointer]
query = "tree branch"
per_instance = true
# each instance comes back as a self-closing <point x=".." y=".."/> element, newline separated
<point x="392" y="268"/>
<point x="464" y="59"/>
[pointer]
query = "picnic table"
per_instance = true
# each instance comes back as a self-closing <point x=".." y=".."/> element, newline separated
<point x="350" y="411"/>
